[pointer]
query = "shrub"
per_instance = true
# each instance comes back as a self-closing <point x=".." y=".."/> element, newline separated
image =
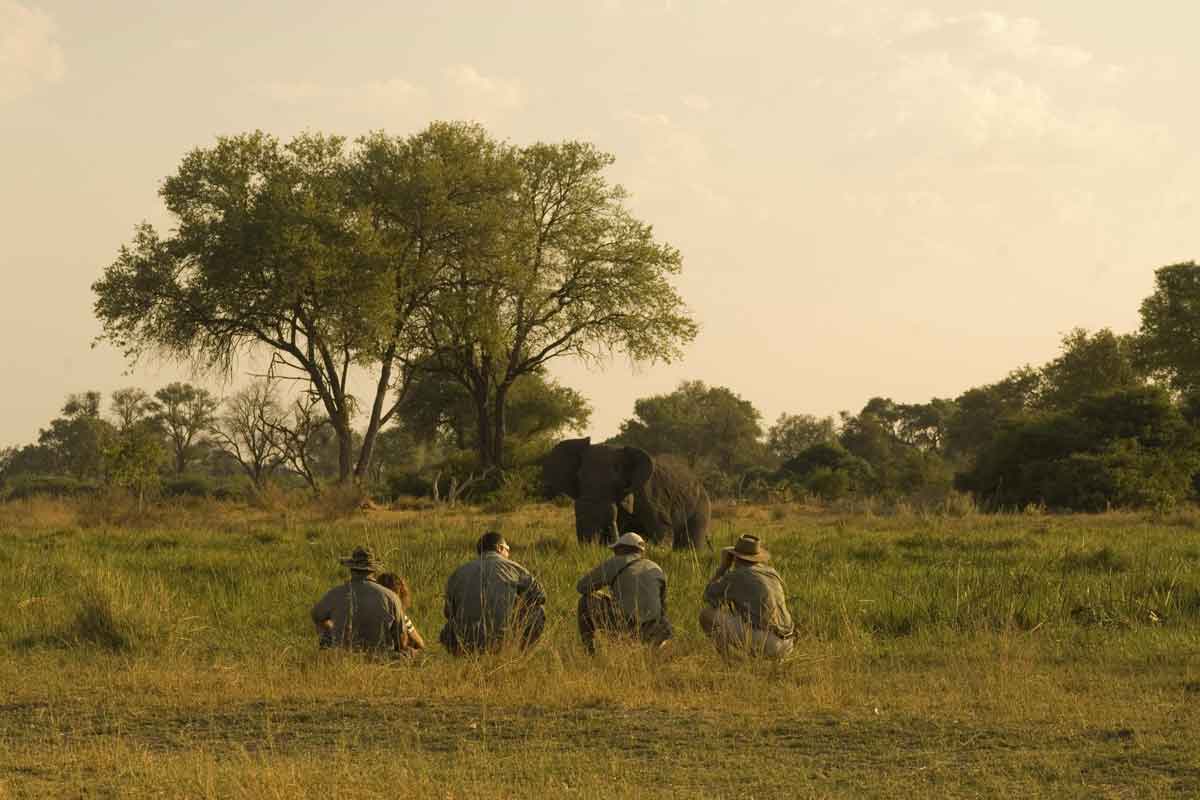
<point x="1127" y="449"/>
<point x="407" y="484"/>
<point x="188" y="486"/>
<point x="26" y="486"/>
<point x="517" y="487"/>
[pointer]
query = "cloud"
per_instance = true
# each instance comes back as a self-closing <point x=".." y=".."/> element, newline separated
<point x="983" y="34"/>
<point x="989" y="33"/>
<point x="29" y="54"/>
<point x="495" y="92"/>
<point x="670" y="158"/>
<point x="991" y="83"/>
<point x="368" y="95"/>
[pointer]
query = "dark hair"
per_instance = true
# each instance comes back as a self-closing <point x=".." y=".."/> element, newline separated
<point x="489" y="541"/>
<point x="390" y="580"/>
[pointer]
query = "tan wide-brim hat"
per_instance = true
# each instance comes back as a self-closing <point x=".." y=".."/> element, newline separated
<point x="748" y="548"/>
<point x="362" y="560"/>
<point x="629" y="540"/>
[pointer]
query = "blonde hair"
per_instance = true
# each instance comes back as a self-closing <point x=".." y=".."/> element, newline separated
<point x="390" y="580"/>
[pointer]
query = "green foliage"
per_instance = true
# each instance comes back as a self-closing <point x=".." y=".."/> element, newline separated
<point x="184" y="412"/>
<point x="203" y="486"/>
<point x="22" y="487"/>
<point x="248" y="431"/>
<point x="1088" y="365"/>
<point x="438" y="410"/>
<point x="568" y="272"/>
<point x="981" y="411"/>
<point x="134" y="458"/>
<point x="78" y="439"/>
<point x="31" y="459"/>
<point x="793" y="433"/>
<point x="517" y="487"/>
<point x="131" y="406"/>
<point x="1168" y="342"/>
<point x="445" y="250"/>
<point x="898" y="448"/>
<point x="1129" y="448"/>
<point x="829" y="471"/>
<point x="712" y="428"/>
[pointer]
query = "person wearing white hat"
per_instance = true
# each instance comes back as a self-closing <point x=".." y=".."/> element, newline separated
<point x="626" y="595"/>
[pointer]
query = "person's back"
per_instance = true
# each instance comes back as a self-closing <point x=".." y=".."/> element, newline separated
<point x="484" y="595"/>
<point x="758" y="594"/>
<point x="361" y="614"/>
<point x="637" y="584"/>
<point x="746" y="603"/>
<point x="625" y="595"/>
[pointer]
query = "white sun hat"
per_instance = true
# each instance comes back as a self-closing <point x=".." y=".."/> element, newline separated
<point x="630" y="540"/>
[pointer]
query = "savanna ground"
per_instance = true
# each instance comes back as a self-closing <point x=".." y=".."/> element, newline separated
<point x="170" y="654"/>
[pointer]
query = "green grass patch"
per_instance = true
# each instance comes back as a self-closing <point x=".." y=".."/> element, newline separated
<point x="974" y="655"/>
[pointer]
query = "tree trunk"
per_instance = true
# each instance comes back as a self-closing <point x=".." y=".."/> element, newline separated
<point x="499" y="425"/>
<point x="484" y="438"/>
<point x="376" y="421"/>
<point x="341" y="426"/>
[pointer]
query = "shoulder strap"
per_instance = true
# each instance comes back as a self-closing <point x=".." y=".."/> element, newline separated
<point x="613" y="580"/>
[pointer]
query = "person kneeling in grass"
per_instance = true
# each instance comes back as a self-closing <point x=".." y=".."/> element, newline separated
<point x="360" y="614"/>
<point x="625" y="595"/>
<point x="410" y="638"/>
<point x="491" y="600"/>
<point x="746" y="604"/>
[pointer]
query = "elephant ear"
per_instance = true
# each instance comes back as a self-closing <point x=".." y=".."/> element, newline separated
<point x="638" y="467"/>
<point x="560" y="467"/>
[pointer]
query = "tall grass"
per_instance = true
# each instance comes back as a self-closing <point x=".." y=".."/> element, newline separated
<point x="173" y="648"/>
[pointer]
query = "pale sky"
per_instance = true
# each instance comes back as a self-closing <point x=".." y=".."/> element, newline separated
<point x="903" y="199"/>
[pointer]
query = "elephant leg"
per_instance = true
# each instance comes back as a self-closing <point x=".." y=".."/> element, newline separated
<point x="594" y="523"/>
<point x="694" y="531"/>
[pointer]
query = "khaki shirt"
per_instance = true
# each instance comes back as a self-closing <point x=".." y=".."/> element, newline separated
<point x="757" y="594"/>
<point x="639" y="589"/>
<point x="481" y="596"/>
<point x="364" y="614"/>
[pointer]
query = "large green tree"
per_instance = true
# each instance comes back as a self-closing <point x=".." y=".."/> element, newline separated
<point x="1126" y="448"/>
<point x="438" y="410"/>
<point x="184" y="412"/>
<point x="312" y="252"/>
<point x="792" y="434"/>
<point x="79" y="437"/>
<point x="1089" y="364"/>
<point x="248" y="431"/>
<point x="565" y="272"/>
<point x="1168" y="342"/>
<point x="710" y="426"/>
<point x="980" y="411"/>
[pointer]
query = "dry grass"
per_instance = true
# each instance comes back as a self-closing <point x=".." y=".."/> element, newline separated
<point x="940" y="657"/>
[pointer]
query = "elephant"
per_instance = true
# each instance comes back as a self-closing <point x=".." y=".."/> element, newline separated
<point x="623" y="489"/>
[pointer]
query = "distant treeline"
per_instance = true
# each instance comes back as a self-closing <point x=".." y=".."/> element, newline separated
<point x="1113" y="421"/>
<point x="449" y="269"/>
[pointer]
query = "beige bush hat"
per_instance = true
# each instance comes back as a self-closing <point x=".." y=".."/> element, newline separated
<point x="748" y="548"/>
<point x="629" y="540"/>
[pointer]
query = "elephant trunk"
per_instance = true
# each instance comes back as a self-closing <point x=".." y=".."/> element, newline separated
<point x="596" y="521"/>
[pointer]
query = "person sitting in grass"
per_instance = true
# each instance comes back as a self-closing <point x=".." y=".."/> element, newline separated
<point x="625" y="595"/>
<point x="360" y="614"/>
<point x="746" y="604"/>
<point x="491" y="599"/>
<point x="410" y="638"/>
